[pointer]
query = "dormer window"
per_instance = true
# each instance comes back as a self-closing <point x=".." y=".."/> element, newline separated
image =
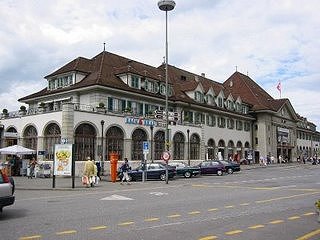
<point x="199" y="97"/>
<point x="60" y="82"/>
<point x="151" y="86"/>
<point x="220" y="102"/>
<point x="135" y="82"/>
<point x="163" y="90"/>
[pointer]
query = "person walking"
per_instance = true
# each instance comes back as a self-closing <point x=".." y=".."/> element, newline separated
<point x="125" y="169"/>
<point x="88" y="172"/>
<point x="32" y="165"/>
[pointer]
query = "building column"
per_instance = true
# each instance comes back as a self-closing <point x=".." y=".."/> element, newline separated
<point x="67" y="130"/>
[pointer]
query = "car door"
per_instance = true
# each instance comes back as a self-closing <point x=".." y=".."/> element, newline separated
<point x="153" y="171"/>
<point x="205" y="168"/>
<point x="214" y="167"/>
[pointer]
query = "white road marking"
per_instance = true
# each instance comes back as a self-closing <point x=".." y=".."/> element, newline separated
<point x="116" y="197"/>
<point x="158" y="193"/>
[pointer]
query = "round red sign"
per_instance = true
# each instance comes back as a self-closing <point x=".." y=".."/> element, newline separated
<point x="166" y="156"/>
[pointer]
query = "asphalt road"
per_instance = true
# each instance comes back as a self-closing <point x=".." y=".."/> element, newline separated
<point x="264" y="203"/>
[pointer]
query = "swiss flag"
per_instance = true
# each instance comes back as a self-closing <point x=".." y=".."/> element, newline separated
<point x="279" y="86"/>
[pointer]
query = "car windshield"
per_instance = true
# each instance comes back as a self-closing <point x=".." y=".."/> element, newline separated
<point x="224" y="162"/>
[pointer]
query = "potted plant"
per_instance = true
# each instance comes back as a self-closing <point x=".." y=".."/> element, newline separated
<point x="23" y="110"/>
<point x="101" y="107"/>
<point x="5" y="112"/>
<point x="127" y="110"/>
<point x="42" y="106"/>
<point x="317" y="205"/>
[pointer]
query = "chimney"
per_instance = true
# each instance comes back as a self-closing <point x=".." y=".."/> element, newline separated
<point x="203" y="75"/>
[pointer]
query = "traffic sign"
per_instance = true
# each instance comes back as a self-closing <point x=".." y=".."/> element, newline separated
<point x="145" y="147"/>
<point x="166" y="156"/>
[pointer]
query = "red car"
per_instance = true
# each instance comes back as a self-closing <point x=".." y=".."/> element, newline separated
<point x="6" y="190"/>
<point x="212" y="167"/>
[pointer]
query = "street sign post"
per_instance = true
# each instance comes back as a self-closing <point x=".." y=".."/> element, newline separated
<point x="145" y="148"/>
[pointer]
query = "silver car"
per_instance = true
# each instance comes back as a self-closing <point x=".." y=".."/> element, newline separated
<point x="6" y="190"/>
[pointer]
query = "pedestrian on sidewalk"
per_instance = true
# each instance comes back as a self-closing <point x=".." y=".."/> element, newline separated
<point x="32" y="165"/>
<point x="125" y="169"/>
<point x="88" y="172"/>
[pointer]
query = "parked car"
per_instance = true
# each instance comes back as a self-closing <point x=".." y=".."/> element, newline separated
<point x="7" y="188"/>
<point x="185" y="170"/>
<point x="230" y="166"/>
<point x="153" y="171"/>
<point x="212" y="167"/>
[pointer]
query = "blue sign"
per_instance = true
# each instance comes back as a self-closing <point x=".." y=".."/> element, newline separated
<point x="145" y="146"/>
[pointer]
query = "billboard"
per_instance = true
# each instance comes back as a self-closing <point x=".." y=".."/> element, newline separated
<point x="283" y="135"/>
<point x="62" y="159"/>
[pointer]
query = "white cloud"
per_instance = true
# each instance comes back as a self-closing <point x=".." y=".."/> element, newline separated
<point x="272" y="40"/>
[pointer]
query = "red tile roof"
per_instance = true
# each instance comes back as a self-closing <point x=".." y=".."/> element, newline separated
<point x="104" y="69"/>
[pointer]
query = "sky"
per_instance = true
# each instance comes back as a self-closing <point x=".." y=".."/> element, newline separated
<point x="270" y="40"/>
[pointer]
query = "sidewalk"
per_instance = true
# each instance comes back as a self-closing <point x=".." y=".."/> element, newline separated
<point x="65" y="183"/>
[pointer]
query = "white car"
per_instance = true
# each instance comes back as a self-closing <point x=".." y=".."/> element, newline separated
<point x="6" y="190"/>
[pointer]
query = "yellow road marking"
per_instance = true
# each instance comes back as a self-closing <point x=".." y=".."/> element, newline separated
<point x="309" y="214"/>
<point x="304" y="189"/>
<point x="213" y="209"/>
<point x="263" y="188"/>
<point x="276" y="222"/>
<point x="309" y="235"/>
<point x="293" y="218"/>
<point x="193" y="213"/>
<point x="198" y="185"/>
<point x="98" y="227"/>
<point x="151" y="219"/>
<point x="256" y="226"/>
<point x="244" y="204"/>
<point x="208" y="238"/>
<point x="174" y="216"/>
<point x="125" y="223"/>
<point x="30" y="237"/>
<point x="66" y="232"/>
<point x="233" y="232"/>
<point x="287" y="197"/>
<point x="229" y="206"/>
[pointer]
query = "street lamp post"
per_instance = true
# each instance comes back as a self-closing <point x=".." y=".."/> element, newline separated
<point x="166" y="5"/>
<point x="188" y="147"/>
<point x="151" y="143"/>
<point x="102" y="153"/>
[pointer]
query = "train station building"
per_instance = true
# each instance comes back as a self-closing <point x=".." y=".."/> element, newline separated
<point x="110" y="103"/>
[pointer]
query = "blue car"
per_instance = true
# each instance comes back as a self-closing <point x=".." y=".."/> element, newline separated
<point x="155" y="171"/>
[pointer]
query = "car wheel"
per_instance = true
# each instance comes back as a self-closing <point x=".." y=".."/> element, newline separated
<point x="230" y="171"/>
<point x="187" y="174"/>
<point x="163" y="176"/>
<point x="219" y="173"/>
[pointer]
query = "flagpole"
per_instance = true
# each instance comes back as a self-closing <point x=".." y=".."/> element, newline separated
<point x="279" y="88"/>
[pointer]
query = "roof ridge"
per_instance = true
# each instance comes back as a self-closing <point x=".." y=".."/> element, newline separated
<point x="100" y="68"/>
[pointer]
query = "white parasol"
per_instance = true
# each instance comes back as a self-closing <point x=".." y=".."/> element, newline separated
<point x="17" y="150"/>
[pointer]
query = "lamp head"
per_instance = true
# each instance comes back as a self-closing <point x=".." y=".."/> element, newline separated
<point x="166" y="5"/>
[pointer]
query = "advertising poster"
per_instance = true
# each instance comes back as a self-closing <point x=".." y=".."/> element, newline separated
<point x="63" y="159"/>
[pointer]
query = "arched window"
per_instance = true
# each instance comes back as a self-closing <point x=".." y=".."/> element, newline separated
<point x="114" y="141"/>
<point x="52" y="136"/>
<point x="30" y="136"/>
<point x="194" y="147"/>
<point x="221" y="146"/>
<point x="85" y="141"/>
<point x="211" y="146"/>
<point x="159" y="140"/>
<point x="178" y="146"/>
<point x="230" y="149"/>
<point x="138" y="136"/>
<point x="12" y="139"/>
